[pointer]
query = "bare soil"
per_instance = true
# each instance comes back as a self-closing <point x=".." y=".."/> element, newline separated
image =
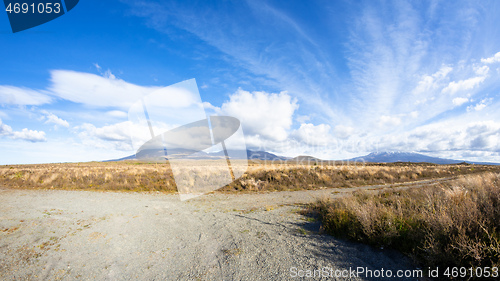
<point x="88" y="235"/>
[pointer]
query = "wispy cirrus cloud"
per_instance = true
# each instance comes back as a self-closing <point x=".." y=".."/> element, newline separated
<point x="399" y="67"/>
<point x="95" y="90"/>
<point x="341" y="77"/>
<point x="395" y="52"/>
<point x="11" y="95"/>
<point x="259" y="38"/>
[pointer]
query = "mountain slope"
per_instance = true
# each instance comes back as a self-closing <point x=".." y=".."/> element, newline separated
<point x="151" y="154"/>
<point x="374" y="157"/>
<point x="392" y="157"/>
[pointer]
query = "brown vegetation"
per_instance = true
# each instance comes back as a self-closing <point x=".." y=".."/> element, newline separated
<point x="117" y="176"/>
<point x="139" y="176"/>
<point x="298" y="177"/>
<point x="450" y="224"/>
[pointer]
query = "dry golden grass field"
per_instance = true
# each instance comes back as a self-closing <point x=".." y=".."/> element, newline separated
<point x="453" y="221"/>
<point x="139" y="176"/>
<point x="452" y="224"/>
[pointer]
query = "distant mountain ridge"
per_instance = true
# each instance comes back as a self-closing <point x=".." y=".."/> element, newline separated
<point x="305" y="159"/>
<point x="154" y="155"/>
<point x="374" y="157"/>
<point x="397" y="156"/>
<point x="250" y="154"/>
<point x="392" y="157"/>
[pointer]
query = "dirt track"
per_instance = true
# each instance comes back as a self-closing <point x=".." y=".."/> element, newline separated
<point x="50" y="235"/>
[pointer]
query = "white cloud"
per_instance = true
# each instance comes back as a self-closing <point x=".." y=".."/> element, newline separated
<point x="95" y="90"/>
<point x="115" y="132"/>
<point x="24" y="134"/>
<point x="208" y="105"/>
<point x="54" y="151"/>
<point x="108" y="74"/>
<point x="426" y="84"/>
<point x="22" y="96"/>
<point x="389" y="120"/>
<point x="432" y="82"/>
<point x="112" y="137"/>
<point x="459" y="101"/>
<point x="117" y="114"/>
<point x="29" y="135"/>
<point x="443" y="72"/>
<point x="313" y="134"/>
<point x="485" y="142"/>
<point x="5" y="130"/>
<point x="452" y="135"/>
<point x="307" y="73"/>
<point x="265" y="114"/>
<point x="116" y="136"/>
<point x="493" y="59"/>
<point x="480" y="105"/>
<point x="343" y="132"/>
<point x="302" y="118"/>
<point x="463" y="85"/>
<point x="109" y="91"/>
<point x="482" y="71"/>
<point x="52" y="118"/>
<point x="388" y="49"/>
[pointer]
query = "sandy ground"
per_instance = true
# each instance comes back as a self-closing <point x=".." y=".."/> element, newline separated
<point x="67" y="235"/>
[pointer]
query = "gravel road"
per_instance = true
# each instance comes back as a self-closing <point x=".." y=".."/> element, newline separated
<point x="68" y="235"/>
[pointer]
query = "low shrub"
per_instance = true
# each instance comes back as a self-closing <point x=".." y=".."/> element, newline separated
<point x="454" y="224"/>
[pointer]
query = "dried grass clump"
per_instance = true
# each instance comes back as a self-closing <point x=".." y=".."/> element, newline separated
<point x="121" y="176"/>
<point x="140" y="176"/>
<point x="298" y="177"/>
<point x="452" y="224"/>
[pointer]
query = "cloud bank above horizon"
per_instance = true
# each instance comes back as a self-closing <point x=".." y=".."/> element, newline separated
<point x="331" y="80"/>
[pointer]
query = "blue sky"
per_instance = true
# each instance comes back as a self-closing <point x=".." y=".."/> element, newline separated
<point x="332" y="79"/>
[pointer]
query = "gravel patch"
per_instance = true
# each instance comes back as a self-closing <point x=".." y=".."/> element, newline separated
<point x="67" y="235"/>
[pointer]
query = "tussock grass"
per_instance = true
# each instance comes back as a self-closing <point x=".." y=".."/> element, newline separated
<point x="140" y="176"/>
<point x="299" y="177"/>
<point x="115" y="176"/>
<point x="451" y="224"/>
